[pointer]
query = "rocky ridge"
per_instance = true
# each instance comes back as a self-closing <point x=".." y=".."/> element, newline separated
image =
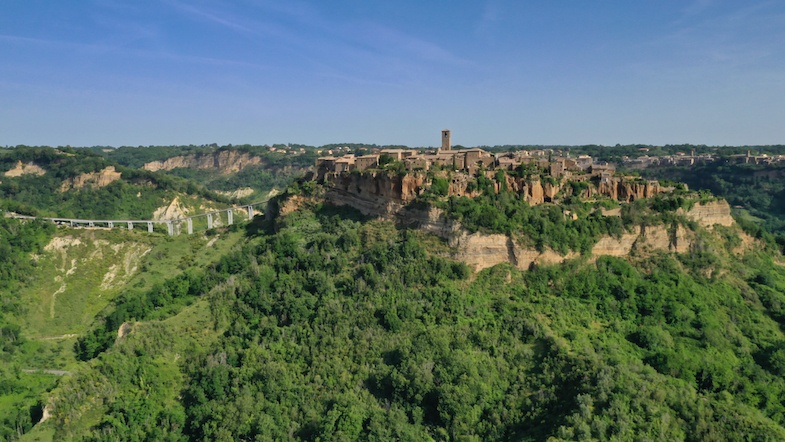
<point x="225" y="161"/>
<point x="25" y="169"/>
<point x="95" y="179"/>
<point x="386" y="196"/>
<point x="380" y="189"/>
<point x="481" y="250"/>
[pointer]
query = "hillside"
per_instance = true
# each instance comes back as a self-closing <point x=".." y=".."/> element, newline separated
<point x="440" y="317"/>
<point x="243" y="173"/>
<point x="75" y="183"/>
<point x="334" y="326"/>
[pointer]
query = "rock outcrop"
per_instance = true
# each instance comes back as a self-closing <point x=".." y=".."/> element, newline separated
<point x="402" y="189"/>
<point x="24" y="169"/>
<point x="377" y="194"/>
<point x="239" y="193"/>
<point x="626" y="190"/>
<point x="173" y="210"/>
<point x="224" y="161"/>
<point x="388" y="195"/>
<point x="711" y="213"/>
<point x="481" y="251"/>
<point x="94" y="179"/>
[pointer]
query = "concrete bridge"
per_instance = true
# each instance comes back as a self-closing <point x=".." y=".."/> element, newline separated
<point x="171" y="224"/>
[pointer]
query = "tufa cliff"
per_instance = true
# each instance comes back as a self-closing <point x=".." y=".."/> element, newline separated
<point x="94" y="179"/>
<point x="25" y="169"/>
<point x="481" y="251"/>
<point x="224" y="161"/>
<point x="381" y="193"/>
<point x="387" y="196"/>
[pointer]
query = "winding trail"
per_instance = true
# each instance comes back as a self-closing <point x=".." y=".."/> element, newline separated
<point x="47" y="371"/>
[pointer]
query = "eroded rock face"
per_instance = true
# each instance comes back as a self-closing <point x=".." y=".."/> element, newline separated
<point x="481" y="251"/>
<point x="404" y="189"/>
<point x="24" y="169"/>
<point x="172" y="211"/>
<point x="379" y="194"/>
<point x="711" y="213"/>
<point x="225" y="161"/>
<point x="93" y="179"/>
<point x="387" y="195"/>
<point x="621" y="189"/>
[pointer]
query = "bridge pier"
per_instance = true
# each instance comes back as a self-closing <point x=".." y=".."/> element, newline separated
<point x="250" y="212"/>
<point x="170" y="228"/>
<point x="209" y="220"/>
<point x="149" y="227"/>
<point x="110" y="225"/>
<point x="190" y="222"/>
<point x="90" y="224"/>
<point x="130" y="226"/>
<point x="229" y="217"/>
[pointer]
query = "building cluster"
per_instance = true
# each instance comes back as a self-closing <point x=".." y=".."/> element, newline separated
<point x="466" y="160"/>
<point x="684" y="160"/>
<point x="748" y="158"/>
<point x="679" y="159"/>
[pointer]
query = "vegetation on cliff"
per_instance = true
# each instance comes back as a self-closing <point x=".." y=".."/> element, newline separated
<point x="758" y="189"/>
<point x="570" y="223"/>
<point x="273" y="169"/>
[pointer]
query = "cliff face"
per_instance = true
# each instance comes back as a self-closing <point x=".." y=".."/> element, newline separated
<point x="378" y="194"/>
<point x="403" y="189"/>
<point x="225" y="161"/>
<point x="94" y="179"/>
<point x="24" y="169"/>
<point x="385" y="195"/>
<point x="711" y="213"/>
<point x="481" y="251"/>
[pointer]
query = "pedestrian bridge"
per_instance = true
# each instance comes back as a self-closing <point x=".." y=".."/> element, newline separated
<point x="173" y="226"/>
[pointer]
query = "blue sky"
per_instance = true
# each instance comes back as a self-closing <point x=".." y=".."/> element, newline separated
<point x="110" y="72"/>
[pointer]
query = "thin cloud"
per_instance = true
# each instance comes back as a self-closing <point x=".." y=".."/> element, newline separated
<point x="391" y="40"/>
<point x="490" y="16"/>
<point x="212" y="17"/>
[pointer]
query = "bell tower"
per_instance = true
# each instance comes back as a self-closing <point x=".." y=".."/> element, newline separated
<point x="446" y="142"/>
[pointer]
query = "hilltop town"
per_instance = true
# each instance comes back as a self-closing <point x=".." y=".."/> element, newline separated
<point x="467" y="160"/>
<point x="537" y="175"/>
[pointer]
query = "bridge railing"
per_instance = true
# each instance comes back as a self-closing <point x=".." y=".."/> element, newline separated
<point x="170" y="223"/>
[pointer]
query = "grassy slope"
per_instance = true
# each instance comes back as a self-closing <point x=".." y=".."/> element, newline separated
<point x="102" y="264"/>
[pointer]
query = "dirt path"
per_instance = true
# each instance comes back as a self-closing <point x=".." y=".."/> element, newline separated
<point x="47" y="371"/>
<point x="55" y="338"/>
